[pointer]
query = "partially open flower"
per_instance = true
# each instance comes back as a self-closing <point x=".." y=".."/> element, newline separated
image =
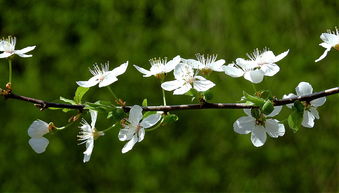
<point x="7" y="46"/>
<point x="331" y="40"/>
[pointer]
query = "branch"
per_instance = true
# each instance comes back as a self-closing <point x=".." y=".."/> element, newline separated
<point x="278" y="102"/>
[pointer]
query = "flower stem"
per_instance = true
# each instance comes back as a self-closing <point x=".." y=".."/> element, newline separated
<point x="111" y="91"/>
<point x="9" y="71"/>
<point x="164" y="97"/>
<point x="110" y="128"/>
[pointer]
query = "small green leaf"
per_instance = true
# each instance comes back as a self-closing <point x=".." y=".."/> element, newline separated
<point x="67" y="100"/>
<point x="170" y="118"/>
<point x="268" y="107"/>
<point x="79" y="93"/>
<point x="254" y="99"/>
<point x="148" y="113"/>
<point x="100" y="106"/>
<point x="299" y="106"/>
<point x="294" y="120"/>
<point x="255" y="113"/>
<point x="144" y="103"/>
<point x="266" y="94"/>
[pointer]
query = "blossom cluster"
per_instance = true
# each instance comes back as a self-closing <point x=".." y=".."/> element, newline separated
<point x="189" y="76"/>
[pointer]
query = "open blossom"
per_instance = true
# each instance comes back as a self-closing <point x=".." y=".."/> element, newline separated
<point x="331" y="40"/>
<point x="310" y="108"/>
<point x="159" y="67"/>
<point x="260" y="64"/>
<point x="36" y="131"/>
<point x="103" y="76"/>
<point x="88" y="134"/>
<point x="134" y="130"/>
<point x="7" y="46"/>
<point x="259" y="127"/>
<point x="206" y="64"/>
<point x="184" y="76"/>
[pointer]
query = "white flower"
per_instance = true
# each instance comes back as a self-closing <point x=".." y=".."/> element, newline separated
<point x="103" y="76"/>
<point x="207" y="64"/>
<point x="259" y="127"/>
<point x="310" y="108"/>
<point x="260" y="64"/>
<point x="36" y="131"/>
<point x="7" y="46"/>
<point x="159" y="67"/>
<point x="331" y="39"/>
<point x="184" y="76"/>
<point x="134" y="130"/>
<point x="88" y="134"/>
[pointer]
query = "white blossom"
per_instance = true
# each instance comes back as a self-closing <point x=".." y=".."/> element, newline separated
<point x="134" y="130"/>
<point x="259" y="65"/>
<point x="7" y="47"/>
<point x="310" y="108"/>
<point x="159" y="67"/>
<point x="259" y="127"/>
<point x="206" y="64"/>
<point x="36" y="131"/>
<point x="103" y="76"/>
<point x="88" y="134"/>
<point x="331" y="40"/>
<point x="184" y="76"/>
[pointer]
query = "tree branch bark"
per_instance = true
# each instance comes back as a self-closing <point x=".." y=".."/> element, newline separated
<point x="206" y="105"/>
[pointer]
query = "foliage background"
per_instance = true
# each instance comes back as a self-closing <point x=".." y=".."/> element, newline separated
<point x="200" y="152"/>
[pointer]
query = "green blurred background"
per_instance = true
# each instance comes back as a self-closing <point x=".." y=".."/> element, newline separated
<point x="200" y="152"/>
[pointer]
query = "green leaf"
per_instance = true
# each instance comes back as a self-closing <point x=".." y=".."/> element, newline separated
<point x="67" y="100"/>
<point x="255" y="113"/>
<point x="267" y="107"/>
<point x="170" y="118"/>
<point x="254" y="99"/>
<point x="104" y="106"/>
<point x="144" y="103"/>
<point x="266" y="94"/>
<point x="299" y="106"/>
<point x="294" y="120"/>
<point x="79" y="93"/>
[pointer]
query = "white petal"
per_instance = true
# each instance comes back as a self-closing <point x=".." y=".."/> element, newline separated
<point x="274" y="128"/>
<point x="135" y="115"/>
<point x="233" y="71"/>
<point x="308" y="119"/>
<point x="314" y="112"/>
<point x="150" y="121"/>
<point x="218" y="65"/>
<point x="172" y="85"/>
<point x="258" y="136"/>
<point x="248" y="112"/>
<point x="126" y="134"/>
<point x="291" y="95"/>
<point x="129" y="145"/>
<point x="244" y="125"/>
<point x="323" y="55"/>
<point x="172" y="64"/>
<point x="143" y="71"/>
<point x="141" y="134"/>
<point x="120" y="69"/>
<point x="94" y="115"/>
<point x="183" y="89"/>
<point x="281" y="56"/>
<point x="329" y="38"/>
<point x="183" y="70"/>
<point x="110" y="77"/>
<point x="24" y="50"/>
<point x="304" y="88"/>
<point x="5" y="55"/>
<point x="203" y="85"/>
<point x="39" y="145"/>
<point x="267" y="57"/>
<point x="318" y="102"/>
<point x="38" y="128"/>
<point x="255" y="76"/>
<point x="270" y="69"/>
<point x="195" y="64"/>
<point x="24" y="55"/>
<point x="91" y="82"/>
<point x="89" y="149"/>
<point x="275" y="111"/>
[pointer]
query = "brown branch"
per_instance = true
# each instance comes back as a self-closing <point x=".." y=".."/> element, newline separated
<point x="43" y="104"/>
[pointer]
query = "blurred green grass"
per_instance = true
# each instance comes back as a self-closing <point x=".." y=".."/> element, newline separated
<point x="200" y="152"/>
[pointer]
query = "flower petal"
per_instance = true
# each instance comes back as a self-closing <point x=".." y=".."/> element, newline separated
<point x="270" y="69"/>
<point x="218" y="65"/>
<point x="141" y="134"/>
<point x="5" y="55"/>
<point x="125" y="134"/>
<point x="172" y="64"/>
<point x="172" y="85"/>
<point x="275" y="111"/>
<point x="120" y="69"/>
<point x="281" y="56"/>
<point x="232" y="71"/>
<point x="39" y="144"/>
<point x="24" y="50"/>
<point x="38" y="128"/>
<point x="247" y="112"/>
<point x="94" y="115"/>
<point x="244" y="125"/>
<point x="129" y="145"/>
<point x="318" y="102"/>
<point x="304" y="88"/>
<point x="150" y="121"/>
<point x="291" y="95"/>
<point x="274" y="128"/>
<point x="135" y="115"/>
<point x="183" y="89"/>
<point x="91" y="82"/>
<point x="323" y="55"/>
<point x="143" y="71"/>
<point x="314" y="112"/>
<point x="182" y="71"/>
<point x="308" y="119"/>
<point x="258" y="136"/>
<point x="203" y="85"/>
<point x="109" y="78"/>
<point x="255" y="76"/>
